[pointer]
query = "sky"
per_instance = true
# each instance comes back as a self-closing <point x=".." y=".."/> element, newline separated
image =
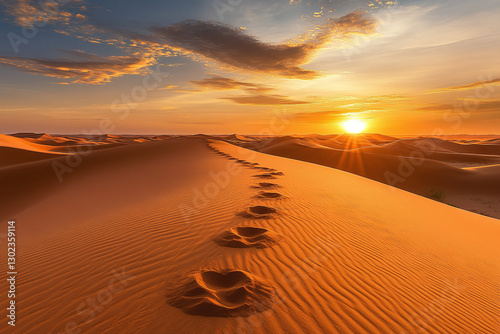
<point x="249" y="66"/>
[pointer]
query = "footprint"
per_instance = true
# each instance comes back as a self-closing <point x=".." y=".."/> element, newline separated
<point x="265" y="194"/>
<point x="259" y="212"/>
<point x="271" y="171"/>
<point x="265" y="176"/>
<point x="247" y="237"/>
<point x="221" y="293"/>
<point x="267" y="185"/>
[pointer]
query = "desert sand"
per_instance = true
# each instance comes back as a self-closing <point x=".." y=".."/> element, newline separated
<point x="437" y="168"/>
<point x="199" y="234"/>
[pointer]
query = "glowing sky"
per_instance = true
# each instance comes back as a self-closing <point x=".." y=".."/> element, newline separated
<point x="250" y="66"/>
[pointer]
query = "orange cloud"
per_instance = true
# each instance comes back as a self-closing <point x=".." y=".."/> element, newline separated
<point x="317" y="117"/>
<point x="26" y="12"/>
<point x="216" y="82"/>
<point x="473" y="85"/>
<point x="465" y="105"/>
<point x="261" y="99"/>
<point x="90" y="68"/>
<point x="235" y="48"/>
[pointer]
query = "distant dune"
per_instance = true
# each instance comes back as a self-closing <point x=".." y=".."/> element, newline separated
<point x="23" y="144"/>
<point x="196" y="234"/>
<point x="430" y="167"/>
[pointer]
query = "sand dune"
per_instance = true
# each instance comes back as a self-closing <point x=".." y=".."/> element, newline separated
<point x="23" y="144"/>
<point x="149" y="238"/>
<point x="20" y="148"/>
<point x="430" y="167"/>
<point x="13" y="156"/>
<point x="491" y="149"/>
<point x="14" y="151"/>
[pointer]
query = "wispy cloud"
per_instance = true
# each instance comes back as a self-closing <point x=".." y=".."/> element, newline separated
<point x="464" y="105"/>
<point x="263" y="99"/>
<point x="318" y="116"/>
<point x="234" y="48"/>
<point x="216" y="82"/>
<point x="89" y="68"/>
<point x="473" y="85"/>
<point x="257" y="94"/>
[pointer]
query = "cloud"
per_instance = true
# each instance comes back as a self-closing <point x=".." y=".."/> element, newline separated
<point x="89" y="68"/>
<point x="318" y="116"/>
<point x="234" y="48"/>
<point x="69" y="17"/>
<point x="26" y="12"/>
<point x="169" y="87"/>
<point x="258" y="94"/>
<point x="216" y="82"/>
<point x="465" y="105"/>
<point x="263" y="99"/>
<point x="478" y="84"/>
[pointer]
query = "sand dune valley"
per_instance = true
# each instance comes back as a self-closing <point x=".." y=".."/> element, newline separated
<point x="253" y="234"/>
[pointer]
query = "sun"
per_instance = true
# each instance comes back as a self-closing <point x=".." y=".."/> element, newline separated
<point x="354" y="125"/>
